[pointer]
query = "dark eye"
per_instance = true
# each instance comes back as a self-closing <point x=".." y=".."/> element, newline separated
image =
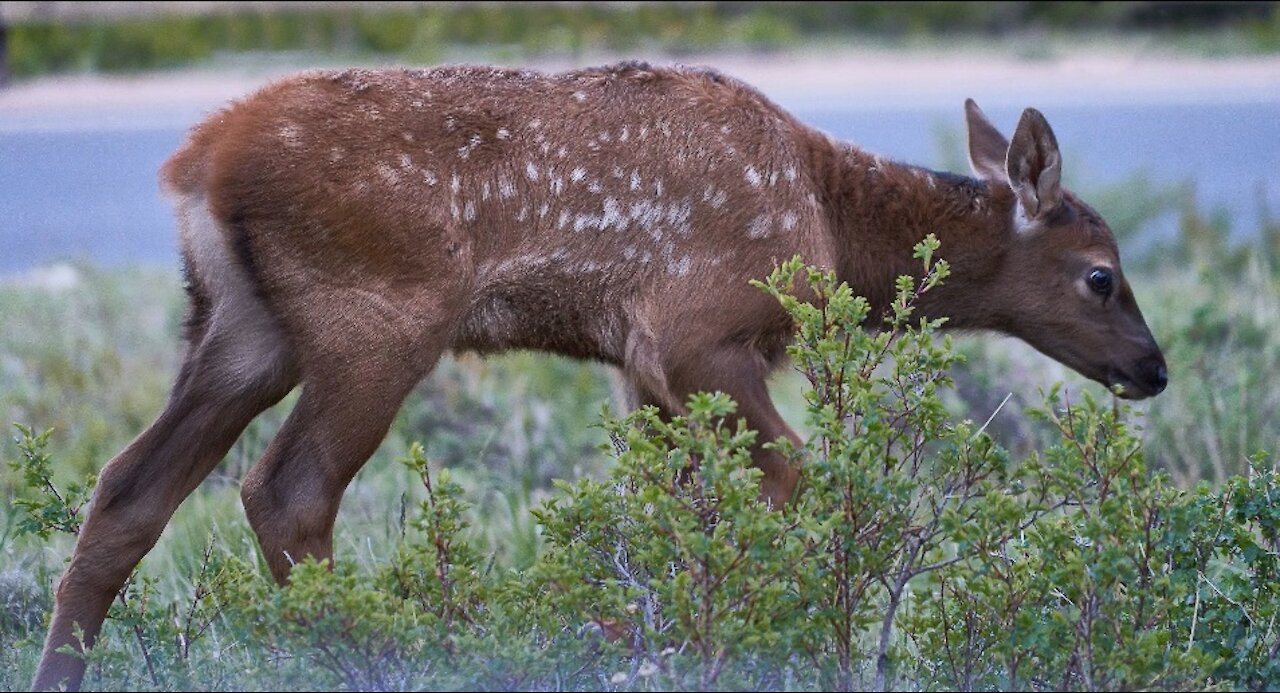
<point x="1100" y="281"/>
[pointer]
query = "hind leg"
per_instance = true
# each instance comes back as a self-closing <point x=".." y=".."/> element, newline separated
<point x="236" y="369"/>
<point x="356" y="373"/>
<point x="291" y="496"/>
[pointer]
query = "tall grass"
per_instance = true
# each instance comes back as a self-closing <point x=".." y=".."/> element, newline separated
<point x="921" y="554"/>
<point x="93" y="360"/>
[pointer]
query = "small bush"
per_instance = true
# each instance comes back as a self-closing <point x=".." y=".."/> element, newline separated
<point x="920" y="554"/>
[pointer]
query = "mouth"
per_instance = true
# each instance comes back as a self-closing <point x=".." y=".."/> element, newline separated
<point x="1129" y="388"/>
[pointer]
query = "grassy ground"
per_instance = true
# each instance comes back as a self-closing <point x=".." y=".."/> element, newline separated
<point x="93" y="360"/>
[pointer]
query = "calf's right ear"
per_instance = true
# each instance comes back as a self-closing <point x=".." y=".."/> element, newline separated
<point x="987" y="147"/>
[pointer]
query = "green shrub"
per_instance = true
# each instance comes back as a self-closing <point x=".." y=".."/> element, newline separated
<point x="919" y="554"/>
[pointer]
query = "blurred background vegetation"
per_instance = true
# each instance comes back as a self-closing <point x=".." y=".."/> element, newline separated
<point x="54" y="37"/>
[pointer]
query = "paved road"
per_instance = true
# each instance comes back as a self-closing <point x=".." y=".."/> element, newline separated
<point x="79" y="182"/>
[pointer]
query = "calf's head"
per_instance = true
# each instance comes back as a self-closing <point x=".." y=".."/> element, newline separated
<point x="1059" y="285"/>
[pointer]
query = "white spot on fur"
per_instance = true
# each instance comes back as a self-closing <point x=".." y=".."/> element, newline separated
<point x="624" y="135"/>
<point x="718" y="200"/>
<point x="789" y="220"/>
<point x="563" y="220"/>
<point x="678" y="216"/>
<point x="464" y="152"/>
<point x="557" y="184"/>
<point x="760" y="227"/>
<point x="336" y="154"/>
<point x="579" y="96"/>
<point x="542" y="211"/>
<point x="504" y="134"/>
<point x="578" y="174"/>
<point x="635" y="179"/>
<point x="455" y="184"/>
<point x="679" y="268"/>
<point x="657" y="187"/>
<point x="595" y="187"/>
<point x="484" y="190"/>
<point x="752" y="176"/>
<point x="450" y="123"/>
<point x="648" y="215"/>
<point x="790" y="174"/>
<point x="291" y="135"/>
<point x="388" y="174"/>
<point x="523" y="214"/>
<point x="656" y="218"/>
<point x="430" y="177"/>
<point x="406" y="163"/>
<point x="535" y="123"/>
<point x="562" y="152"/>
<point x="506" y="187"/>
<point x="612" y="214"/>
<point x="469" y="211"/>
<point x="531" y="171"/>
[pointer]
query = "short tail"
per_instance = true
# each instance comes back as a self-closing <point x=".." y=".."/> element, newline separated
<point x="187" y="171"/>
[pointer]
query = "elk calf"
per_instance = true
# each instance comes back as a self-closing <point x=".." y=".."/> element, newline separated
<point x="343" y="230"/>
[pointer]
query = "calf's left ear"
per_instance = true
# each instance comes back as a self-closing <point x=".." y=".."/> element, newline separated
<point x="1034" y="166"/>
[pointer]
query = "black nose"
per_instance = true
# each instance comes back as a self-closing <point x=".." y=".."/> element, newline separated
<point x="1153" y="373"/>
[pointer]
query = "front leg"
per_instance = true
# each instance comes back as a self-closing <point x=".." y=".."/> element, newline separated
<point x="739" y="372"/>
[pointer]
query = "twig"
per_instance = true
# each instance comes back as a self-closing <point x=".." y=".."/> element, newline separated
<point x="991" y="418"/>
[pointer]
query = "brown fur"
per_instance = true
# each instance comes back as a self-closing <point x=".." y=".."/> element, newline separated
<point x="342" y="230"/>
